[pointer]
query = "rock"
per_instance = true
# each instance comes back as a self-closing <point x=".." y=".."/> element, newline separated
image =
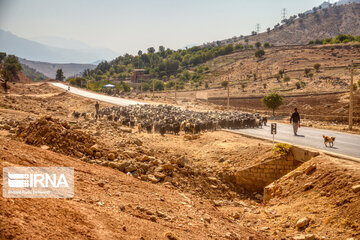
<point x="159" y="175"/>
<point x="145" y="158"/>
<point x="153" y="218"/>
<point x="296" y="174"/>
<point x="138" y="142"/>
<point x="171" y="236"/>
<point x="130" y="168"/>
<point x="207" y="219"/>
<point x="122" y="207"/>
<point x="153" y="179"/>
<point x="310" y="169"/>
<point x="302" y="222"/>
<point x="356" y="188"/>
<point x="101" y="184"/>
<point x="6" y="127"/>
<point x="182" y="161"/>
<point x="259" y="197"/>
<point x="168" y="167"/>
<point x="98" y="154"/>
<point x="308" y="186"/>
<point x="161" y="215"/>
<point x="45" y="147"/>
<point x="304" y="237"/>
<point x="111" y="156"/>
<point x="94" y="147"/>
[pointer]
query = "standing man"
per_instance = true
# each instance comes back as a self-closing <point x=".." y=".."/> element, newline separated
<point x="295" y="120"/>
<point x="96" y="109"/>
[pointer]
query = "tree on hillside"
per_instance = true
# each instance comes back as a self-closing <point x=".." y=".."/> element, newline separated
<point x="60" y="75"/>
<point x="259" y="53"/>
<point x="9" y="69"/>
<point x="266" y="45"/>
<point x="224" y="84"/>
<point x="273" y="101"/>
<point x="140" y="52"/>
<point x="317" y="67"/>
<point x="151" y="50"/>
<point x="258" y="45"/>
<point x="268" y="30"/>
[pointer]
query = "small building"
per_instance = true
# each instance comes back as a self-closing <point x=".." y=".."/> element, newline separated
<point x="138" y="75"/>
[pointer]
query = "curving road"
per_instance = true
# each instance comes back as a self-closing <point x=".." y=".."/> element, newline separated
<point x="96" y="96"/>
<point x="345" y="144"/>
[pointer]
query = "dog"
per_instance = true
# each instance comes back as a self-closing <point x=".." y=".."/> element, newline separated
<point x="328" y="140"/>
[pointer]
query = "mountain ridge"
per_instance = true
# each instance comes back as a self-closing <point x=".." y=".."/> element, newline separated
<point x="25" y="48"/>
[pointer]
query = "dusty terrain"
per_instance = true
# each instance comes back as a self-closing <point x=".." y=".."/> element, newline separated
<point x="173" y="189"/>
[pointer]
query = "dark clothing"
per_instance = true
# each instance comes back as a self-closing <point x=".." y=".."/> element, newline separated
<point x="295" y="117"/>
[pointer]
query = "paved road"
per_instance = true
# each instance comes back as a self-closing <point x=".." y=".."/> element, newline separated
<point x="345" y="144"/>
<point x="100" y="97"/>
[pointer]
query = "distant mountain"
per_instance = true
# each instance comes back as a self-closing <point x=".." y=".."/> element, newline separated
<point x="60" y="42"/>
<point x="49" y="69"/>
<point x="24" y="48"/>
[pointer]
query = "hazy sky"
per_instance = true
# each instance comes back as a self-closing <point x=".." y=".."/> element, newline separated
<point x="127" y="26"/>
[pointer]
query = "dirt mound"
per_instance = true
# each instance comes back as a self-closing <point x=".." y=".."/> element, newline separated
<point x="23" y="78"/>
<point x="58" y="136"/>
<point x="324" y="190"/>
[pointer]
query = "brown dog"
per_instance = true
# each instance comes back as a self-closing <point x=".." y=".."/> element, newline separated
<point x="329" y="140"/>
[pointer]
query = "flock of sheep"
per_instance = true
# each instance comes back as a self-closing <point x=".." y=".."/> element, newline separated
<point x="169" y="119"/>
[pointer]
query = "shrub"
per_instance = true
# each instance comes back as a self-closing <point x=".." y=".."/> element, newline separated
<point x="317" y="66"/>
<point x="266" y="45"/>
<point x="259" y="53"/>
<point x="224" y="83"/>
<point x="282" y="149"/>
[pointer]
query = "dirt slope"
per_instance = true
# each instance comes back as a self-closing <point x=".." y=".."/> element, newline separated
<point x="122" y="208"/>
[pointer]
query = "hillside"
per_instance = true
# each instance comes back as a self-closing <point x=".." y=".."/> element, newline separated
<point x="32" y="74"/>
<point x="325" y="23"/>
<point x="28" y="49"/>
<point x="49" y="69"/>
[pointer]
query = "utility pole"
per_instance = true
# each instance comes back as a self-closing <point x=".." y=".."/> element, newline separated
<point x="257" y="28"/>
<point x="175" y="89"/>
<point x="283" y="14"/>
<point x="228" y="94"/>
<point x="351" y="105"/>
<point x="153" y="87"/>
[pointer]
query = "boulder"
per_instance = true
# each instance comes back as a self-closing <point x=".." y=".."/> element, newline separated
<point x="111" y="156"/>
<point x="302" y="222"/>
<point x="356" y="188"/>
<point x="153" y="179"/>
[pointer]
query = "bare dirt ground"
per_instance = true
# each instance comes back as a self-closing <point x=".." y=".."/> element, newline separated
<point x="174" y="189"/>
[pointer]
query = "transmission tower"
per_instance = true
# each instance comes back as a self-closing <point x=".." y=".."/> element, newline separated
<point x="257" y="28"/>
<point x="283" y="14"/>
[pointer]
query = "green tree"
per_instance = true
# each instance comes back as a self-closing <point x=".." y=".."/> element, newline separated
<point x="140" y="52"/>
<point x="159" y="85"/>
<point x="151" y="50"/>
<point x="258" y="45"/>
<point x="59" y="75"/>
<point x="273" y="101"/>
<point x="286" y="79"/>
<point x="259" y="53"/>
<point x="266" y="45"/>
<point x="2" y="57"/>
<point x="10" y="70"/>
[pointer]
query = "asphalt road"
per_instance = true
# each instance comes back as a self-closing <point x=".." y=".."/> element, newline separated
<point x="100" y="97"/>
<point x="345" y="144"/>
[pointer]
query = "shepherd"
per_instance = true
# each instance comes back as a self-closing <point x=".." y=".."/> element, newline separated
<point x="295" y="120"/>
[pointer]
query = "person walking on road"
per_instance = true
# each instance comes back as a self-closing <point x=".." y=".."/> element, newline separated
<point x="295" y="120"/>
<point x="96" y="109"/>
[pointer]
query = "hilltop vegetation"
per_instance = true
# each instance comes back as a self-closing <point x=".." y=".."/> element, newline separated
<point x="187" y="66"/>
